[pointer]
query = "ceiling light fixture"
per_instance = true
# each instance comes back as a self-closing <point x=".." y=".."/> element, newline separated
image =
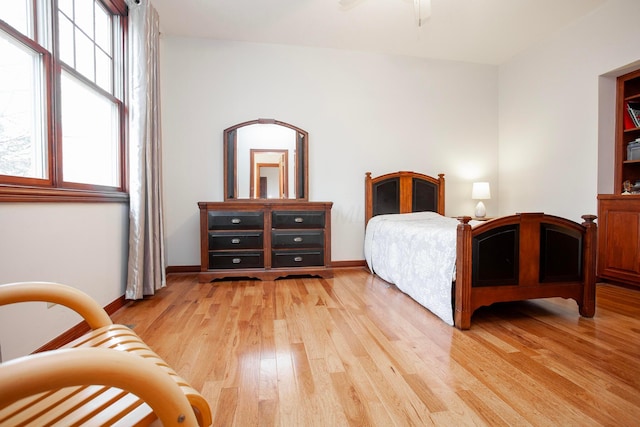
<point x="421" y="9"/>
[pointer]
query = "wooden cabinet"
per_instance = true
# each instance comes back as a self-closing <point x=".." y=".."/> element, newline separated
<point x="265" y="239"/>
<point x="619" y="239"/>
<point x="618" y="214"/>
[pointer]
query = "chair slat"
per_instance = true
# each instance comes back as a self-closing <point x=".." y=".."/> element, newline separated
<point x="57" y="405"/>
<point x="128" y="407"/>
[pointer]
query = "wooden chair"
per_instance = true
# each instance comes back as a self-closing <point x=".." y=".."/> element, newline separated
<point x="109" y="376"/>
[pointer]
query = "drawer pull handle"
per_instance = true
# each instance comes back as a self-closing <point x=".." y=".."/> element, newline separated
<point x="236" y="221"/>
<point x="298" y="259"/>
<point x="298" y="219"/>
<point x="236" y="260"/>
<point x="297" y="239"/>
<point x="235" y="240"/>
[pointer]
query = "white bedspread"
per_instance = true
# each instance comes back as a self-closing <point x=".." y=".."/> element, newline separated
<point x="417" y="253"/>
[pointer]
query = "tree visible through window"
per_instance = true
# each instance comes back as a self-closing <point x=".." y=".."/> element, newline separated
<point x="22" y="111"/>
<point x="61" y="96"/>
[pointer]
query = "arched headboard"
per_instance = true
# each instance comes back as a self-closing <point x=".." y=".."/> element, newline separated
<point x="403" y="192"/>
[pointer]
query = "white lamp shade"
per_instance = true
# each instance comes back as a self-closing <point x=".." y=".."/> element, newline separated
<point x="481" y="191"/>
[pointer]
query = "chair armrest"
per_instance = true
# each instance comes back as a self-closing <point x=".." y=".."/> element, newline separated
<point x="55" y="369"/>
<point x="56" y="293"/>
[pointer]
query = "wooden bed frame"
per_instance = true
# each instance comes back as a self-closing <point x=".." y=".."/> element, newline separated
<point x="512" y="258"/>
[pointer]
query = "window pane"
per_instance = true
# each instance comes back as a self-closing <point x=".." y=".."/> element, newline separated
<point x="103" y="71"/>
<point x="84" y="55"/>
<point x="89" y="135"/>
<point x="66" y="6"/>
<point x="103" y="29"/>
<point x="84" y="16"/>
<point x="89" y="52"/>
<point x="65" y="38"/>
<point x="22" y="122"/>
<point x="18" y="14"/>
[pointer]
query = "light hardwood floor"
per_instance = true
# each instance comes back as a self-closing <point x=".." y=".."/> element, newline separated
<point x="353" y="350"/>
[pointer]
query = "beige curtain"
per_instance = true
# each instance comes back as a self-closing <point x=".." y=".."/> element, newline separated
<point x="146" y="271"/>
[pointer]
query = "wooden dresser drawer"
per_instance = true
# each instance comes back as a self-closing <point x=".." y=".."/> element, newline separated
<point x="231" y="240"/>
<point x="226" y="220"/>
<point x="227" y="260"/>
<point x="298" y="219"/>
<point x="289" y="239"/>
<point x="283" y="258"/>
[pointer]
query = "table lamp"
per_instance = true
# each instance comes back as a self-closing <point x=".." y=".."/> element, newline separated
<point x="480" y="191"/>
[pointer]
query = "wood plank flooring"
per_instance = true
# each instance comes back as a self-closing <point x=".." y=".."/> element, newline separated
<point x="355" y="351"/>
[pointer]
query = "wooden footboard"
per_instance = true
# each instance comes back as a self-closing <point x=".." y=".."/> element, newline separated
<point x="524" y="256"/>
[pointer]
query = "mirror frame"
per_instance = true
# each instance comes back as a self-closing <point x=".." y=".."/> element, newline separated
<point x="230" y="148"/>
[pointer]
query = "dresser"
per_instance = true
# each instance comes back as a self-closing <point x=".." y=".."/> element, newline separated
<point x="264" y="239"/>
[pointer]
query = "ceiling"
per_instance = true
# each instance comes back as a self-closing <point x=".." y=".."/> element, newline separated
<point x="481" y="31"/>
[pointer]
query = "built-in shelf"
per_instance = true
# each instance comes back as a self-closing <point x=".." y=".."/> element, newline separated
<point x="619" y="214"/>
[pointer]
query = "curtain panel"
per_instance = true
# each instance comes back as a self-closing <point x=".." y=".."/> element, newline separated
<point x="146" y="271"/>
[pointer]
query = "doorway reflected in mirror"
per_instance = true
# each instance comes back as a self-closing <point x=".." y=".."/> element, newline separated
<point x="270" y="174"/>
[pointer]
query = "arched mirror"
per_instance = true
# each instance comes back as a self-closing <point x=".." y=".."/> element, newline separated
<point x="265" y="159"/>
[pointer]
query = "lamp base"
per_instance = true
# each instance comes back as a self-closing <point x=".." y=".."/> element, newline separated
<point x="481" y="211"/>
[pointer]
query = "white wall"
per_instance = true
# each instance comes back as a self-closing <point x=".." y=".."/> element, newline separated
<point x="555" y="114"/>
<point x="364" y="112"/>
<point x="79" y="244"/>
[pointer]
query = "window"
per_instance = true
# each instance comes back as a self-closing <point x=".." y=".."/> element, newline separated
<point x="61" y="100"/>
